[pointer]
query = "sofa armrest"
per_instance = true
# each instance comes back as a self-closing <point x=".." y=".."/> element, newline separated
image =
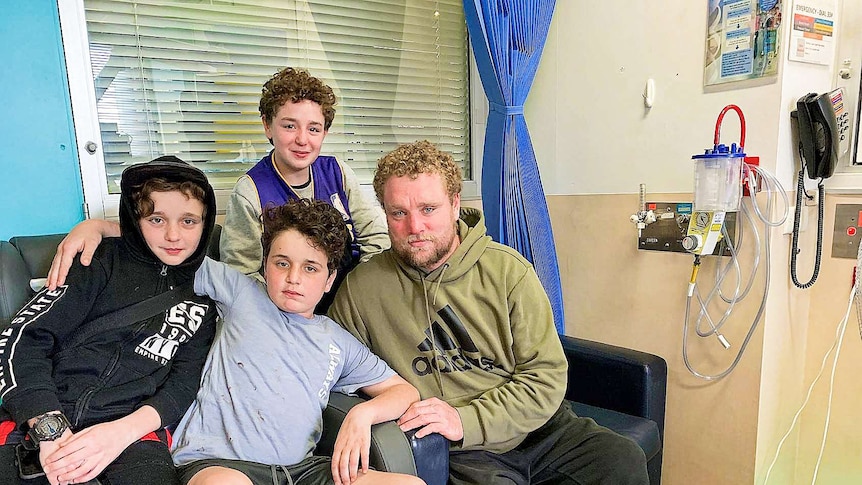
<point x="616" y="378"/>
<point x="392" y="450"/>
<point x="22" y="259"/>
<point x="431" y="455"/>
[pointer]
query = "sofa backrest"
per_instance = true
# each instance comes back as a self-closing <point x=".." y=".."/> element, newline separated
<point x="25" y="258"/>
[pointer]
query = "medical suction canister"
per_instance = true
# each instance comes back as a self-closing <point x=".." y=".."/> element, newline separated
<point x="717" y="189"/>
<point x="723" y="174"/>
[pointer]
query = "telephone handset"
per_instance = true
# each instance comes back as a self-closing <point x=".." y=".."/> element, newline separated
<point x="818" y="134"/>
<point x="818" y="146"/>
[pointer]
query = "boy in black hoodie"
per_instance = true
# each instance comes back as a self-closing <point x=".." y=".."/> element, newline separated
<point x="96" y="407"/>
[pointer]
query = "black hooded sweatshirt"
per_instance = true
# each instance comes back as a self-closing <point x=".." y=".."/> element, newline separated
<point x="156" y="361"/>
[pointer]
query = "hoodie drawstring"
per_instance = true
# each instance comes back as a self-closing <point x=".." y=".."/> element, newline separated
<point x="428" y="313"/>
<point x="439" y="280"/>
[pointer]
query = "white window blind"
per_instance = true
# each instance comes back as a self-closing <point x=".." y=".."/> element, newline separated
<point x="184" y="77"/>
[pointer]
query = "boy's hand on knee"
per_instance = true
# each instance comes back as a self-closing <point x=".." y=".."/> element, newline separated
<point x="85" y="455"/>
<point x="351" y="451"/>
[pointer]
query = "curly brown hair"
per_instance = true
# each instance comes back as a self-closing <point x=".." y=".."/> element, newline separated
<point x="412" y="159"/>
<point x="295" y="85"/>
<point x="144" y="206"/>
<point x="318" y="221"/>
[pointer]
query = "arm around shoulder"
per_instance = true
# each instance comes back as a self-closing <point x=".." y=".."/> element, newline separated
<point x="84" y="238"/>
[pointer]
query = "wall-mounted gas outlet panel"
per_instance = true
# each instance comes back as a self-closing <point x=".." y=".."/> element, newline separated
<point x="671" y="225"/>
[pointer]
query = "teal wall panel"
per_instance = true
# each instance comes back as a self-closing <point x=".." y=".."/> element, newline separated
<point x="40" y="179"/>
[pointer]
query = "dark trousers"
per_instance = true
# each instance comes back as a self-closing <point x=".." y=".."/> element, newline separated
<point x="565" y="450"/>
<point x="142" y="463"/>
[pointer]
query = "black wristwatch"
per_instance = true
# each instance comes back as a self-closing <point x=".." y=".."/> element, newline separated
<point x="48" y="427"/>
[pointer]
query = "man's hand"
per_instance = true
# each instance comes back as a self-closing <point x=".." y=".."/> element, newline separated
<point x="84" y="238"/>
<point x="351" y="450"/>
<point x="85" y="455"/>
<point x="432" y="416"/>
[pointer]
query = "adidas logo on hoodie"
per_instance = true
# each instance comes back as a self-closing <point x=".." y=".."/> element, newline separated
<point x="451" y="351"/>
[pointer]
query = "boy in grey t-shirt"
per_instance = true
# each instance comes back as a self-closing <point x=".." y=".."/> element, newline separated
<point x="258" y="414"/>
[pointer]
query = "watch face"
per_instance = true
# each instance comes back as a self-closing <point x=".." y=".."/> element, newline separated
<point x="50" y="427"/>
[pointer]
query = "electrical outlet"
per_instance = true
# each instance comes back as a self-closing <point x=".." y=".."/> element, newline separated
<point x="803" y="220"/>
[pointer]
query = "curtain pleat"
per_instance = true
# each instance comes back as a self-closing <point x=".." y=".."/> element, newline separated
<point x="507" y="38"/>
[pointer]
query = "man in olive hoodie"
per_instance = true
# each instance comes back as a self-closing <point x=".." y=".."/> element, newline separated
<point x="466" y="321"/>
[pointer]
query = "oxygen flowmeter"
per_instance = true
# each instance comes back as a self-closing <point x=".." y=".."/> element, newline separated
<point x="717" y="189"/>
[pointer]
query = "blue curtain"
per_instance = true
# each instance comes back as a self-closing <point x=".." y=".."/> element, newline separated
<point x="507" y="38"/>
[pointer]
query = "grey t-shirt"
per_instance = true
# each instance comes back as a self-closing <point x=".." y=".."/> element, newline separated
<point x="268" y="376"/>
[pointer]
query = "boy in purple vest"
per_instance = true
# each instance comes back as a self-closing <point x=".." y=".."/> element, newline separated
<point x="297" y="110"/>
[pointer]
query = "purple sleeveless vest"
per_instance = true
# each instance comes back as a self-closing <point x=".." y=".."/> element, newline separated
<point x="328" y="187"/>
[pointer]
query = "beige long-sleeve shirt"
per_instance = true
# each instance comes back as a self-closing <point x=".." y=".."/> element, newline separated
<point x="240" y="238"/>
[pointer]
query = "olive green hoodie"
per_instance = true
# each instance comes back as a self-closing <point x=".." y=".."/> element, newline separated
<point x="495" y="355"/>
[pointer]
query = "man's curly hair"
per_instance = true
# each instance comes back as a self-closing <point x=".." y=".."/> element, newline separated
<point x="295" y="85"/>
<point x="318" y="221"/>
<point x="412" y="159"/>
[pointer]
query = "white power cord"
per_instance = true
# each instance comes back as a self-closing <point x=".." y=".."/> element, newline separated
<point x="836" y="345"/>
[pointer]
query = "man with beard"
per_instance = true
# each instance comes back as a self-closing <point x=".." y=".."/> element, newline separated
<point x="467" y="322"/>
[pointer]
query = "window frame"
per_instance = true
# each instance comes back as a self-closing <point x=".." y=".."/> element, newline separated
<point x="103" y="205"/>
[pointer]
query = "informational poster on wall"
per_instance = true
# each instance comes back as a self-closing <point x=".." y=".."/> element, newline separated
<point x="742" y="40"/>
<point x="811" y="39"/>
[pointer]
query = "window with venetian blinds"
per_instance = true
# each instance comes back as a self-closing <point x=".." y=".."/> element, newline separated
<point x="183" y="77"/>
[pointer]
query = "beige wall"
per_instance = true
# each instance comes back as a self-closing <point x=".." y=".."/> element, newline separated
<point x="636" y="299"/>
<point x="829" y="301"/>
<point x="595" y="143"/>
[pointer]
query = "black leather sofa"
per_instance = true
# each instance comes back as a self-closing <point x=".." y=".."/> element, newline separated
<point x="620" y="388"/>
<point x="27" y="258"/>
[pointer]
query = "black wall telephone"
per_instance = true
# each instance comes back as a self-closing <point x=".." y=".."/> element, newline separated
<point x="818" y="134"/>
<point x="818" y="147"/>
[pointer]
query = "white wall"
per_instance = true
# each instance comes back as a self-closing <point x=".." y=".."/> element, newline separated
<point x="586" y="115"/>
<point x="593" y="135"/>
